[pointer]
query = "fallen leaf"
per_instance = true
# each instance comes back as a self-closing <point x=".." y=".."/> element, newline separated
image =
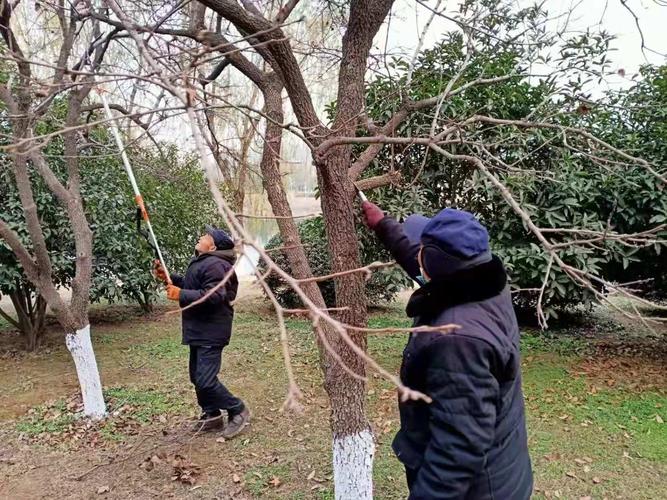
<point x="585" y="498"/>
<point x="311" y="476"/>
<point x="571" y="474"/>
<point x="236" y="478"/>
<point x="275" y="481"/>
<point x="220" y="440"/>
<point x="596" y="480"/>
<point x="659" y="419"/>
<point x="103" y="489"/>
<point x="580" y="461"/>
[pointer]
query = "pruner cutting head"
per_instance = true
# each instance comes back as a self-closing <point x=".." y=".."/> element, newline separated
<point x="361" y="194"/>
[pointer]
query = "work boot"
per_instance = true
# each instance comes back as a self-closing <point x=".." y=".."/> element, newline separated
<point x="209" y="423"/>
<point x="236" y="424"/>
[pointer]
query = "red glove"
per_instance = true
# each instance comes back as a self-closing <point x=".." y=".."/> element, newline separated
<point x="173" y="292"/>
<point x="158" y="271"/>
<point x="372" y="214"/>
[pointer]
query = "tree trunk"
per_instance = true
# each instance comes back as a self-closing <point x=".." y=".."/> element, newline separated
<point x="81" y="348"/>
<point x="353" y="439"/>
<point x="30" y="311"/>
<point x="247" y="135"/>
<point x="353" y="445"/>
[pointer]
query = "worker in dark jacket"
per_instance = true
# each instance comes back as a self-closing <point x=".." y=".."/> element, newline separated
<point x="470" y="442"/>
<point x="207" y="327"/>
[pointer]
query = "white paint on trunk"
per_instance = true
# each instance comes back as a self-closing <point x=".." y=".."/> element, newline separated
<point x="81" y="348"/>
<point x="353" y="466"/>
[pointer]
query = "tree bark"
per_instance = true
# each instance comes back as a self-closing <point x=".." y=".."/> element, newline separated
<point x="30" y="314"/>
<point x="353" y="446"/>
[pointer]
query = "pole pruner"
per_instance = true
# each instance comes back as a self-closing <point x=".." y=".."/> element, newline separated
<point x="142" y="213"/>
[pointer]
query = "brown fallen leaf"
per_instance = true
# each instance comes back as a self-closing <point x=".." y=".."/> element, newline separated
<point x="275" y="482"/>
<point x="310" y="476"/>
<point x="571" y="474"/>
<point x="659" y="419"/>
<point x="102" y="490"/>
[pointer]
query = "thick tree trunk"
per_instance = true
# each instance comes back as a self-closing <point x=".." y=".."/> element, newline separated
<point x="81" y="349"/>
<point x="353" y="445"/>
<point x="353" y="439"/>
<point x="353" y="466"/>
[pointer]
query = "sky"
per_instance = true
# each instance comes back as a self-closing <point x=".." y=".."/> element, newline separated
<point x="409" y="18"/>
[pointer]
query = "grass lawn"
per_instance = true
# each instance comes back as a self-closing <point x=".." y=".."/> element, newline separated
<point x="596" y="411"/>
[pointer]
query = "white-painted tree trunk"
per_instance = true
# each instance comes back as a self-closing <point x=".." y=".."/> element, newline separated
<point x="81" y="348"/>
<point x="353" y="466"/>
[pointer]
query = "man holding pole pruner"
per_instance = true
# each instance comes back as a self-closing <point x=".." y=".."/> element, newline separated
<point x="207" y="327"/>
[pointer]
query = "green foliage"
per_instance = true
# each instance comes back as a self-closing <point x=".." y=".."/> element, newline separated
<point x="172" y="184"/>
<point x="559" y="183"/>
<point x="179" y="203"/>
<point x="636" y="121"/>
<point x="382" y="286"/>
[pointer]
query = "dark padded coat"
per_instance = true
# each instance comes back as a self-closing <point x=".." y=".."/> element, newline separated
<point x="470" y="442"/>
<point x="208" y="323"/>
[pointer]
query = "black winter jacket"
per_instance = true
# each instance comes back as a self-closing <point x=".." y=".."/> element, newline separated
<point x="208" y="323"/>
<point x="470" y="442"/>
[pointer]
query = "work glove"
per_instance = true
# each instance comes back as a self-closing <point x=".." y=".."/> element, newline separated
<point x="372" y="214"/>
<point x="173" y="292"/>
<point x="158" y="271"/>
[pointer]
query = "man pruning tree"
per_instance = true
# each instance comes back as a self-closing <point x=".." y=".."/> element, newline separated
<point x="470" y="442"/>
<point x="207" y="327"/>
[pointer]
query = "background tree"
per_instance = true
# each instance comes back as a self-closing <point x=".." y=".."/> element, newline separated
<point x="560" y="183"/>
<point x="27" y="92"/>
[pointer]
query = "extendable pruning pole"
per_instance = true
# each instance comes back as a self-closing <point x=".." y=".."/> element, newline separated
<point x="141" y="207"/>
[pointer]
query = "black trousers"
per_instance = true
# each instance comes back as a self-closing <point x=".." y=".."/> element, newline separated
<point x="212" y="396"/>
<point x="410" y="476"/>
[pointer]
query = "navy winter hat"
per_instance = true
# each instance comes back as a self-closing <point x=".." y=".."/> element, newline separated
<point x="452" y="240"/>
<point x="221" y="239"/>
